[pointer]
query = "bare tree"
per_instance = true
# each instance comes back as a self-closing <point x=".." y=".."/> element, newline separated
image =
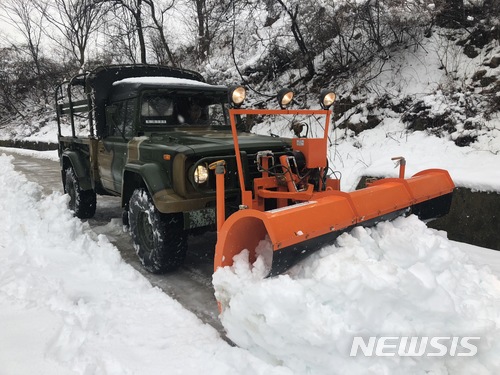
<point x="203" y="30"/>
<point x="23" y="15"/>
<point x="9" y="101"/>
<point x="158" y="17"/>
<point x="120" y="32"/>
<point x="210" y="18"/>
<point x="134" y="9"/>
<point x="76" y="20"/>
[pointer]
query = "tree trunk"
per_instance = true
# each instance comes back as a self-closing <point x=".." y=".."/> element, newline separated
<point x="203" y="40"/>
<point x="140" y="31"/>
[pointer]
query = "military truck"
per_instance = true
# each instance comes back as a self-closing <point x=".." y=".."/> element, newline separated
<point x="148" y="134"/>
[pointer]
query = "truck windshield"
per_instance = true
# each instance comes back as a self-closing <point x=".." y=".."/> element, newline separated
<point x="159" y="110"/>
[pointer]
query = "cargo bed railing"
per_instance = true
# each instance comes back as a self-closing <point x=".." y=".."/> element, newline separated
<point x="65" y="105"/>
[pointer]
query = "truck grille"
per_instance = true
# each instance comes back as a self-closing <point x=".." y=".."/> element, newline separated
<point x="231" y="179"/>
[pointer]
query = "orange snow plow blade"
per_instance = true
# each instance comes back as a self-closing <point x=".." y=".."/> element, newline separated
<point x="310" y="216"/>
<point x="299" y="229"/>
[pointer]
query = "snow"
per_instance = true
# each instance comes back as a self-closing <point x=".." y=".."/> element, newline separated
<point x="369" y="154"/>
<point x="49" y="155"/>
<point x="42" y="131"/>
<point x="416" y="74"/>
<point x="474" y="167"/>
<point x="397" y="279"/>
<point x="163" y="81"/>
<point x="70" y="305"/>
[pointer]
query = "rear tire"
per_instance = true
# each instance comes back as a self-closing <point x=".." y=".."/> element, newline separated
<point x="160" y="240"/>
<point x="81" y="202"/>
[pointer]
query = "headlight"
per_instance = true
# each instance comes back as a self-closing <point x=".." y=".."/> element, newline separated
<point x="200" y="175"/>
<point x="326" y="99"/>
<point x="285" y="97"/>
<point x="237" y="95"/>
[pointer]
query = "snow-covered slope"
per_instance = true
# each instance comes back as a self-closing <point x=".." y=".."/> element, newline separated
<point x="418" y="75"/>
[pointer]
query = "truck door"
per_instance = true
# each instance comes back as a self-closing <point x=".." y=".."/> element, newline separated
<point x="113" y="149"/>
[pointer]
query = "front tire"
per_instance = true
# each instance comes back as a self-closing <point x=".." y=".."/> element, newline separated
<point x="81" y="202"/>
<point x="160" y="240"/>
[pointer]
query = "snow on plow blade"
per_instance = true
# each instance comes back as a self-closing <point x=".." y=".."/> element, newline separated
<point x="308" y="208"/>
<point x="296" y="231"/>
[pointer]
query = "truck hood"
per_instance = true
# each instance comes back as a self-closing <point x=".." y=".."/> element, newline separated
<point x="206" y="141"/>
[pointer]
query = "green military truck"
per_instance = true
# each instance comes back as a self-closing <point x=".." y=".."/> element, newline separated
<point x="148" y="134"/>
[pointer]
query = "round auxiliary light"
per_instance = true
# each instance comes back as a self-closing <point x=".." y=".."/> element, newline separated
<point x="200" y="174"/>
<point x="285" y="97"/>
<point x="327" y="98"/>
<point x="237" y="95"/>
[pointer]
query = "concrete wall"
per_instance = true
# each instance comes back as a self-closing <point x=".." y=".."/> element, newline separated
<point x="39" y="146"/>
<point x="474" y="217"/>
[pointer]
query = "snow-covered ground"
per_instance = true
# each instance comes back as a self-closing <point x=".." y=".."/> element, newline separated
<point x="474" y="166"/>
<point x="70" y="305"/>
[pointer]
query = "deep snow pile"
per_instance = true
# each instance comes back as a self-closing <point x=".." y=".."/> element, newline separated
<point x="70" y="305"/>
<point x="397" y="279"/>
